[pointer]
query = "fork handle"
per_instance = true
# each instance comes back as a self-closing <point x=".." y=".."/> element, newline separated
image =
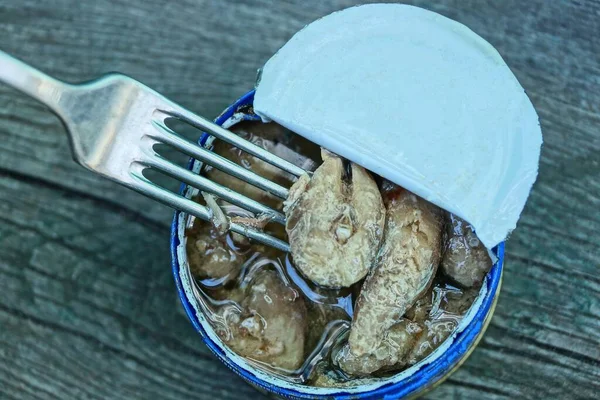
<point x="31" y="81"/>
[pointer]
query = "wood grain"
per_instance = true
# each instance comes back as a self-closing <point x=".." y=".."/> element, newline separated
<point x="88" y="308"/>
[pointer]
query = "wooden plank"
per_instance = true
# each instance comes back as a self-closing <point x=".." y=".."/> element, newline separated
<point x="88" y="305"/>
<point x="85" y="284"/>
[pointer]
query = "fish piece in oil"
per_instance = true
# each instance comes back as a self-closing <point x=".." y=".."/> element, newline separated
<point x="335" y="223"/>
<point x="271" y="327"/>
<point x="406" y="264"/>
<point x="425" y="326"/>
<point x="397" y="347"/>
<point x="465" y="259"/>
<point x="391" y="353"/>
<point x="210" y="255"/>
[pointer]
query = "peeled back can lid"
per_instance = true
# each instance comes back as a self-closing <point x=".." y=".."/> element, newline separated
<point x="445" y="116"/>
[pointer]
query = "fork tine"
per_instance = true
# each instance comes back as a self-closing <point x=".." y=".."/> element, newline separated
<point x="233" y="139"/>
<point x="171" y="138"/>
<point x="200" y="182"/>
<point x="150" y="189"/>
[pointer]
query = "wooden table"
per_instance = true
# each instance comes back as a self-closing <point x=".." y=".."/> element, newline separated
<point x="88" y="308"/>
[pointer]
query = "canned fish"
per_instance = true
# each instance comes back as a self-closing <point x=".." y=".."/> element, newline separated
<point x="410" y="382"/>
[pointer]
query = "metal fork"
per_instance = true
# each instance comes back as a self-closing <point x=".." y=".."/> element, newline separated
<point x="113" y="124"/>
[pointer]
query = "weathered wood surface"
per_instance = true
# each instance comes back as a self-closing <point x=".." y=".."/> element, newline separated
<point x="88" y="308"/>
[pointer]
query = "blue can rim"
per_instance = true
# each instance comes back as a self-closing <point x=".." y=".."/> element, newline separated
<point x="420" y="380"/>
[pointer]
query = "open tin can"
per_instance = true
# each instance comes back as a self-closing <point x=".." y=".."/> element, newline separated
<point x="408" y="383"/>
